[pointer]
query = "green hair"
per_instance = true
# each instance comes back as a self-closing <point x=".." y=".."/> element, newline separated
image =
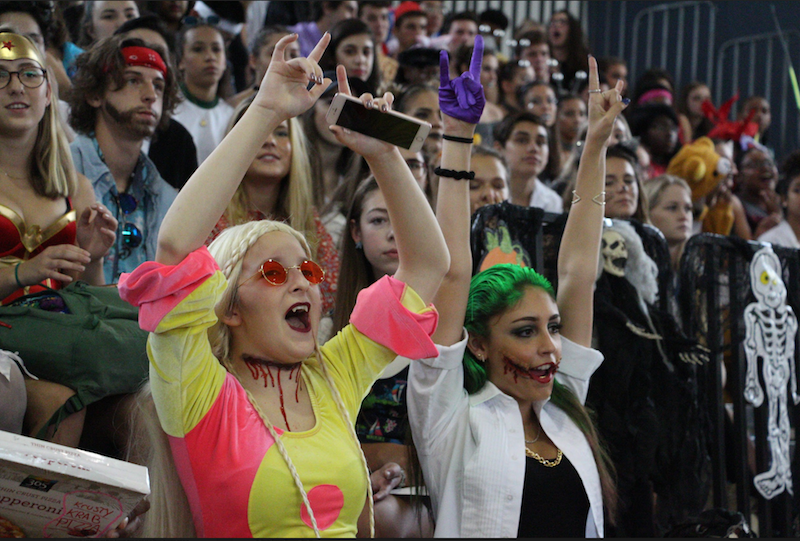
<point x="495" y="290"/>
<point x="491" y="292"/>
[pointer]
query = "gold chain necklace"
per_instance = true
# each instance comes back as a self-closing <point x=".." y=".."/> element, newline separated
<point x="550" y="463"/>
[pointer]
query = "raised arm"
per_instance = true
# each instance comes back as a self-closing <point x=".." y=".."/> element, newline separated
<point x="580" y="244"/>
<point x="283" y="94"/>
<point x="420" y="244"/>
<point x="461" y="101"/>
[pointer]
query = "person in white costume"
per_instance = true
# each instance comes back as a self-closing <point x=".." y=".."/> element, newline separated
<point x="506" y="446"/>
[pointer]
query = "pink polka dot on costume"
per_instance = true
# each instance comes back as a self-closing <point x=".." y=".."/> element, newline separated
<point x="327" y="502"/>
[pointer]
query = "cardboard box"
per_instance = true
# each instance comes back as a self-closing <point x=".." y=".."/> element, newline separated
<point x="50" y="490"/>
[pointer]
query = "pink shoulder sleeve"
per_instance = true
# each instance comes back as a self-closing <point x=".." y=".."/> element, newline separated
<point x="157" y="289"/>
<point x="381" y="315"/>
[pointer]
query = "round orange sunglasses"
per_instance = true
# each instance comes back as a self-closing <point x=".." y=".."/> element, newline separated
<point x="276" y="274"/>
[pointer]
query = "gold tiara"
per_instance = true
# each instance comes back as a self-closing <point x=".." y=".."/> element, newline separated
<point x="14" y="46"/>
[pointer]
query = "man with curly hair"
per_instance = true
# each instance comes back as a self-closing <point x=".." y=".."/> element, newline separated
<point x="122" y="90"/>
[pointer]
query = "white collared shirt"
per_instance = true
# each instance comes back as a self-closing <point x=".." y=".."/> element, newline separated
<point x="781" y="235"/>
<point x="472" y="448"/>
<point x="547" y="198"/>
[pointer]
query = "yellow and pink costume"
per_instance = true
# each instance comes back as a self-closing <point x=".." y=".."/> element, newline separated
<point x="236" y="481"/>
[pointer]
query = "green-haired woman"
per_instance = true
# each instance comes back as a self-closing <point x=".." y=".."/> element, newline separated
<point x="506" y="446"/>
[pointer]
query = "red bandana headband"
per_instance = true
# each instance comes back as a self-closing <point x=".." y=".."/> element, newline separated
<point x="145" y="57"/>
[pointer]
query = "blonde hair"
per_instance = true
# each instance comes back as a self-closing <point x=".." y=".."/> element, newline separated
<point x="295" y="198"/>
<point x="229" y="250"/>
<point x="53" y="173"/>
<point x="654" y="188"/>
<point x="170" y="515"/>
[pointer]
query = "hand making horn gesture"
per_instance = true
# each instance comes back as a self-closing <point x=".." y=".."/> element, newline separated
<point x="284" y="88"/>
<point x="462" y="98"/>
<point x="603" y="106"/>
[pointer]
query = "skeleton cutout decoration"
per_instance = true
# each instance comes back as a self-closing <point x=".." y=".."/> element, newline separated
<point x="615" y="253"/>
<point x="770" y="340"/>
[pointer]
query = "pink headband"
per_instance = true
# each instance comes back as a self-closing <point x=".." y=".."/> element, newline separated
<point x="655" y="93"/>
<point x="145" y="57"/>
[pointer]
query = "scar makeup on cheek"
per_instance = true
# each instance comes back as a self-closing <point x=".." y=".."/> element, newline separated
<point x="543" y="373"/>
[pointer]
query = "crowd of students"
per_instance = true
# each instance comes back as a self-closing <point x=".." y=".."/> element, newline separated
<point x="179" y="151"/>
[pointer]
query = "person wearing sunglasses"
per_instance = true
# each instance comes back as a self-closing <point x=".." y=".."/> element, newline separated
<point x="122" y="91"/>
<point x="52" y="230"/>
<point x="257" y="418"/>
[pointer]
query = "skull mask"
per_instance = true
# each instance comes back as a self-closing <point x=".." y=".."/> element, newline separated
<point x="615" y="253"/>
<point x="765" y="278"/>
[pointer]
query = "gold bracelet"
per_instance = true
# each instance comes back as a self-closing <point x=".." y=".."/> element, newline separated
<point x="599" y="199"/>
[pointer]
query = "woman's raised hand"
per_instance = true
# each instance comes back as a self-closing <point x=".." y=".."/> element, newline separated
<point x="284" y="88"/>
<point x="462" y="99"/>
<point x="364" y="145"/>
<point x="603" y="106"/>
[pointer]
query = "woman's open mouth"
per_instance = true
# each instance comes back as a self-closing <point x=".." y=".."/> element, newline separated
<point x="297" y="317"/>
<point x="543" y="373"/>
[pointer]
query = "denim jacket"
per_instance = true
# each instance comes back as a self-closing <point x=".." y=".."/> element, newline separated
<point x="153" y="194"/>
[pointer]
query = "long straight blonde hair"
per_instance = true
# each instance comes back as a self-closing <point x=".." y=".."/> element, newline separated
<point x="295" y="199"/>
<point x="52" y="170"/>
<point x="170" y="515"/>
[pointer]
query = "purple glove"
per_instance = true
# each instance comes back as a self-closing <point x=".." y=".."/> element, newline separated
<point x="462" y="98"/>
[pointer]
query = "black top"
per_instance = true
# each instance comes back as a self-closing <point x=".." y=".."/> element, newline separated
<point x="174" y="154"/>
<point x="554" y="502"/>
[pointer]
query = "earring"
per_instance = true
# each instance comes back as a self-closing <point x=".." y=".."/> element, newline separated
<point x="359" y="245"/>
<point x="480" y="358"/>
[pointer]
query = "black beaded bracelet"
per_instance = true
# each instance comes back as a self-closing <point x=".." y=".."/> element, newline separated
<point x="458" y="175"/>
<point x="465" y="140"/>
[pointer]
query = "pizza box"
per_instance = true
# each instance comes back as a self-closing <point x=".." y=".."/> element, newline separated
<point x="50" y="490"/>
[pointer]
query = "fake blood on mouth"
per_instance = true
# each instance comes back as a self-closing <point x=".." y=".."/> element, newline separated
<point x="508" y="367"/>
<point x="517" y="371"/>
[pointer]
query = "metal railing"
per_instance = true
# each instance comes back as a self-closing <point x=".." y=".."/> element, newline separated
<point x="519" y="12"/>
<point x="665" y="30"/>
<point x="683" y="38"/>
<point x="715" y="294"/>
<point x="757" y="65"/>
